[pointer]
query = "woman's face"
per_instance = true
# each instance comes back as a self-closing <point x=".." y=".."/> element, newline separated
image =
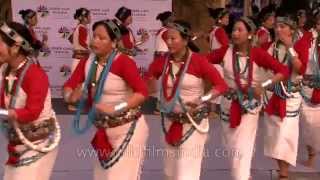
<point x="87" y="19"/>
<point x="283" y="30"/>
<point x="225" y="20"/>
<point x="128" y="21"/>
<point x="302" y="20"/>
<point x="4" y="51"/>
<point x="240" y="33"/>
<point x="8" y="53"/>
<point x="101" y="42"/>
<point x="33" y="21"/>
<point x="175" y="42"/>
<point x="269" y="22"/>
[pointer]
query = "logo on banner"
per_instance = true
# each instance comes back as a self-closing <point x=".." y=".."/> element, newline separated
<point x="65" y="70"/>
<point x="43" y="11"/>
<point x="63" y="52"/>
<point x="96" y="12"/>
<point x="45" y="51"/>
<point x="65" y="32"/>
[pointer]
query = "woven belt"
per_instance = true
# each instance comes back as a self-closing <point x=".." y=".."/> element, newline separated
<point x="123" y="118"/>
<point x="81" y="54"/>
<point x="295" y="87"/>
<point x="232" y="95"/>
<point x="33" y="132"/>
<point x="183" y="118"/>
<point x="159" y="53"/>
<point x="310" y="81"/>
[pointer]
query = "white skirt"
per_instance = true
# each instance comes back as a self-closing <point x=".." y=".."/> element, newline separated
<point x="281" y="136"/>
<point x="184" y="162"/>
<point x="310" y="122"/>
<point x="39" y="170"/>
<point x="129" y="165"/>
<point x="240" y="141"/>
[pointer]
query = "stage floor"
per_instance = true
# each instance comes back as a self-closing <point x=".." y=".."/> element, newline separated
<point x="73" y="164"/>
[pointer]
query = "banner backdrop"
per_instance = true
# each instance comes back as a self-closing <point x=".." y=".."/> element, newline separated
<point x="55" y="18"/>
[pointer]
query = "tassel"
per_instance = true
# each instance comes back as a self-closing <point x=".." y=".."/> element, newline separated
<point x="13" y="159"/>
<point x="101" y="144"/>
<point x="235" y="114"/>
<point x="174" y="134"/>
<point x="276" y="106"/>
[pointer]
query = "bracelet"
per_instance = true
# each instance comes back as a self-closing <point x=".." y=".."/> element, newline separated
<point x="4" y="114"/>
<point x="120" y="106"/>
<point x="266" y="83"/>
<point x="206" y="97"/>
<point x="292" y="52"/>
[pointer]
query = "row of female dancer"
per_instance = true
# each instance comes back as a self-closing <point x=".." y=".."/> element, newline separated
<point x="281" y="77"/>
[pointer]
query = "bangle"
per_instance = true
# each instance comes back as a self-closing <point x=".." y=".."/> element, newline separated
<point x="4" y="114"/>
<point x="120" y="106"/>
<point x="206" y="97"/>
<point x="292" y="52"/>
<point x="66" y="96"/>
<point x="266" y="83"/>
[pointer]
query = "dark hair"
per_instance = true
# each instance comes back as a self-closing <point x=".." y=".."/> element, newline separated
<point x="217" y="13"/>
<point x="24" y="32"/>
<point x="265" y="13"/>
<point x="81" y="12"/>
<point x="27" y="14"/>
<point x="187" y="37"/>
<point x="164" y="16"/>
<point x="123" y="13"/>
<point x="103" y="23"/>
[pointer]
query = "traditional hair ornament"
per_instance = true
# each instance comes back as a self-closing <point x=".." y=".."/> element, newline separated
<point x="16" y="37"/>
<point x="248" y="22"/>
<point x="114" y="28"/>
<point x="222" y="13"/>
<point x="84" y="12"/>
<point x="181" y="29"/>
<point x="301" y="12"/>
<point x="286" y="20"/>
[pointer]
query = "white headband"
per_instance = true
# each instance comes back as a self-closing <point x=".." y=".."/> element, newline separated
<point x="16" y="37"/>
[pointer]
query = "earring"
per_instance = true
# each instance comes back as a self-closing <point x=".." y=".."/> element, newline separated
<point x="249" y="37"/>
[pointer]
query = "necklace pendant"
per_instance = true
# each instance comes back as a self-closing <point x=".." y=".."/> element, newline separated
<point x="93" y="84"/>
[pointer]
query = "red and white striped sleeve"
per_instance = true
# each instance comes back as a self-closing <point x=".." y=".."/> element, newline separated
<point x="78" y="76"/>
<point x="83" y="36"/>
<point x="222" y="36"/>
<point x="207" y="72"/>
<point x="36" y="86"/>
<point x="126" y="68"/>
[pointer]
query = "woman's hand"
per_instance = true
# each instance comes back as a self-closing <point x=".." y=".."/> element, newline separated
<point x="44" y="37"/>
<point x="105" y="108"/>
<point x="192" y="107"/>
<point x="12" y="115"/>
<point x="257" y="92"/>
<point x="144" y="37"/>
<point x="76" y="94"/>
